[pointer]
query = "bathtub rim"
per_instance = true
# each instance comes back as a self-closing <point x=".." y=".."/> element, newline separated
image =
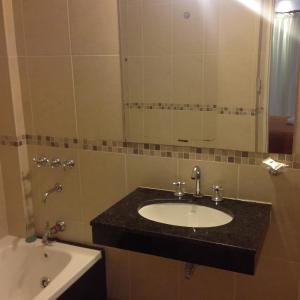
<point x="91" y="255"/>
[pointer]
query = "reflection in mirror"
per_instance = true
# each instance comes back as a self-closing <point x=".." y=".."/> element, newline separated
<point x="284" y="76"/>
<point x="196" y="73"/>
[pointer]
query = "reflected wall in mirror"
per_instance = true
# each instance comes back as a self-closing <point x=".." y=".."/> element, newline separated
<point x="196" y="72"/>
<point x="284" y="76"/>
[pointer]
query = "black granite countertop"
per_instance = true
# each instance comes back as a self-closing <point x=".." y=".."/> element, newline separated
<point x="239" y="241"/>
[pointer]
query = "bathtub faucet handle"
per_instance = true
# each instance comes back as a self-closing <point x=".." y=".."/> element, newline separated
<point x="50" y="232"/>
<point x="41" y="161"/>
<point x="68" y="164"/>
<point x="58" y="227"/>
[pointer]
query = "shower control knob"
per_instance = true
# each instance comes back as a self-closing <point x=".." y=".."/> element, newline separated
<point x="55" y="163"/>
<point x="41" y="161"/>
<point x="68" y="164"/>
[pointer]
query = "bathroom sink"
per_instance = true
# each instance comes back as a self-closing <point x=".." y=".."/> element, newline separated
<point x="190" y="229"/>
<point x="185" y="215"/>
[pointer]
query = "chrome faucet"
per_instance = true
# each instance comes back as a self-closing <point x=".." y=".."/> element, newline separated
<point x="196" y="175"/>
<point x="51" y="231"/>
<point x="41" y="161"/>
<point x="58" y="188"/>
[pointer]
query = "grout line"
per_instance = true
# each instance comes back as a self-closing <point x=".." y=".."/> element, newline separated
<point x="143" y="63"/>
<point x="178" y="168"/>
<point x="72" y="70"/>
<point x="82" y="216"/>
<point x="125" y="173"/>
<point x="28" y="81"/>
<point x="238" y="182"/>
<point x="70" y="54"/>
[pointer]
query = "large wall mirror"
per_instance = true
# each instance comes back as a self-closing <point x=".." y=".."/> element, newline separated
<point x="211" y="73"/>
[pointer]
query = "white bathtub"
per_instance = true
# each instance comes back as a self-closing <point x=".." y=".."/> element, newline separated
<point x="23" y="265"/>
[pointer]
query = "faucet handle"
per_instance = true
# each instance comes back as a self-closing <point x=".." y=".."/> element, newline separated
<point x="217" y="193"/>
<point x="179" y="188"/>
<point x="68" y="164"/>
<point x="55" y="163"/>
<point x="41" y="161"/>
<point x="59" y="226"/>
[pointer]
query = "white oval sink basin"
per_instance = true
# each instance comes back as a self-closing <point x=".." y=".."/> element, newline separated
<point x="185" y="214"/>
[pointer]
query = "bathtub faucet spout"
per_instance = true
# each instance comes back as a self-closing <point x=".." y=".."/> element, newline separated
<point x="58" y="188"/>
<point x="51" y="231"/>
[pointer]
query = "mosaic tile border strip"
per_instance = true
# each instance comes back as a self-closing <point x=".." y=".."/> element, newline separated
<point x="195" y="107"/>
<point x="14" y="141"/>
<point x="168" y="151"/>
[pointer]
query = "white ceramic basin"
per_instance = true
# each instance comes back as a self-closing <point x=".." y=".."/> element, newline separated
<point x="185" y="214"/>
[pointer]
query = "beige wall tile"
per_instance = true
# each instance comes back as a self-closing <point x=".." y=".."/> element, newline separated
<point x="74" y="231"/>
<point x="117" y="272"/>
<point x="188" y="31"/>
<point x="209" y="126"/>
<point x="132" y="23"/>
<point x="3" y="51"/>
<point x="187" y="125"/>
<point x="87" y="233"/>
<point x="3" y="217"/>
<point x="255" y="183"/>
<point x="134" y="125"/>
<point x="7" y="126"/>
<point x="207" y="283"/>
<point x="16" y="95"/>
<point x="275" y="279"/>
<point x="235" y="132"/>
<point x="98" y="97"/>
<point x="94" y="26"/>
<point x="211" y="26"/>
<point x="19" y="28"/>
<point x="51" y="87"/>
<point x="196" y="127"/>
<point x="153" y="277"/>
<point x="25" y="95"/>
<point x="13" y="190"/>
<point x="157" y="79"/>
<point x="188" y="79"/>
<point x="133" y="85"/>
<point x="280" y="244"/>
<point x="243" y="37"/>
<point x="157" y="27"/>
<point x="157" y="126"/>
<point x="212" y="173"/>
<point x="102" y="181"/>
<point x="210" y="78"/>
<point x="237" y="78"/>
<point x="150" y="171"/>
<point x="46" y="27"/>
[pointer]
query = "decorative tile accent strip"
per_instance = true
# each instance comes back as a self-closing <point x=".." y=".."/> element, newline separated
<point x="195" y="107"/>
<point x="14" y="141"/>
<point x="168" y="151"/>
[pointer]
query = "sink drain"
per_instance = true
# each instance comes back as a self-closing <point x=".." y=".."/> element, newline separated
<point x="45" y="282"/>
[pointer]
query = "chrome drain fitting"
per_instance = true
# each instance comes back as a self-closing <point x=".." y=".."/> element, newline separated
<point x="45" y="282"/>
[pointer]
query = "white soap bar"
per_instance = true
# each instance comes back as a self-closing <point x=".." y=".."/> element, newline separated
<point x="273" y="164"/>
